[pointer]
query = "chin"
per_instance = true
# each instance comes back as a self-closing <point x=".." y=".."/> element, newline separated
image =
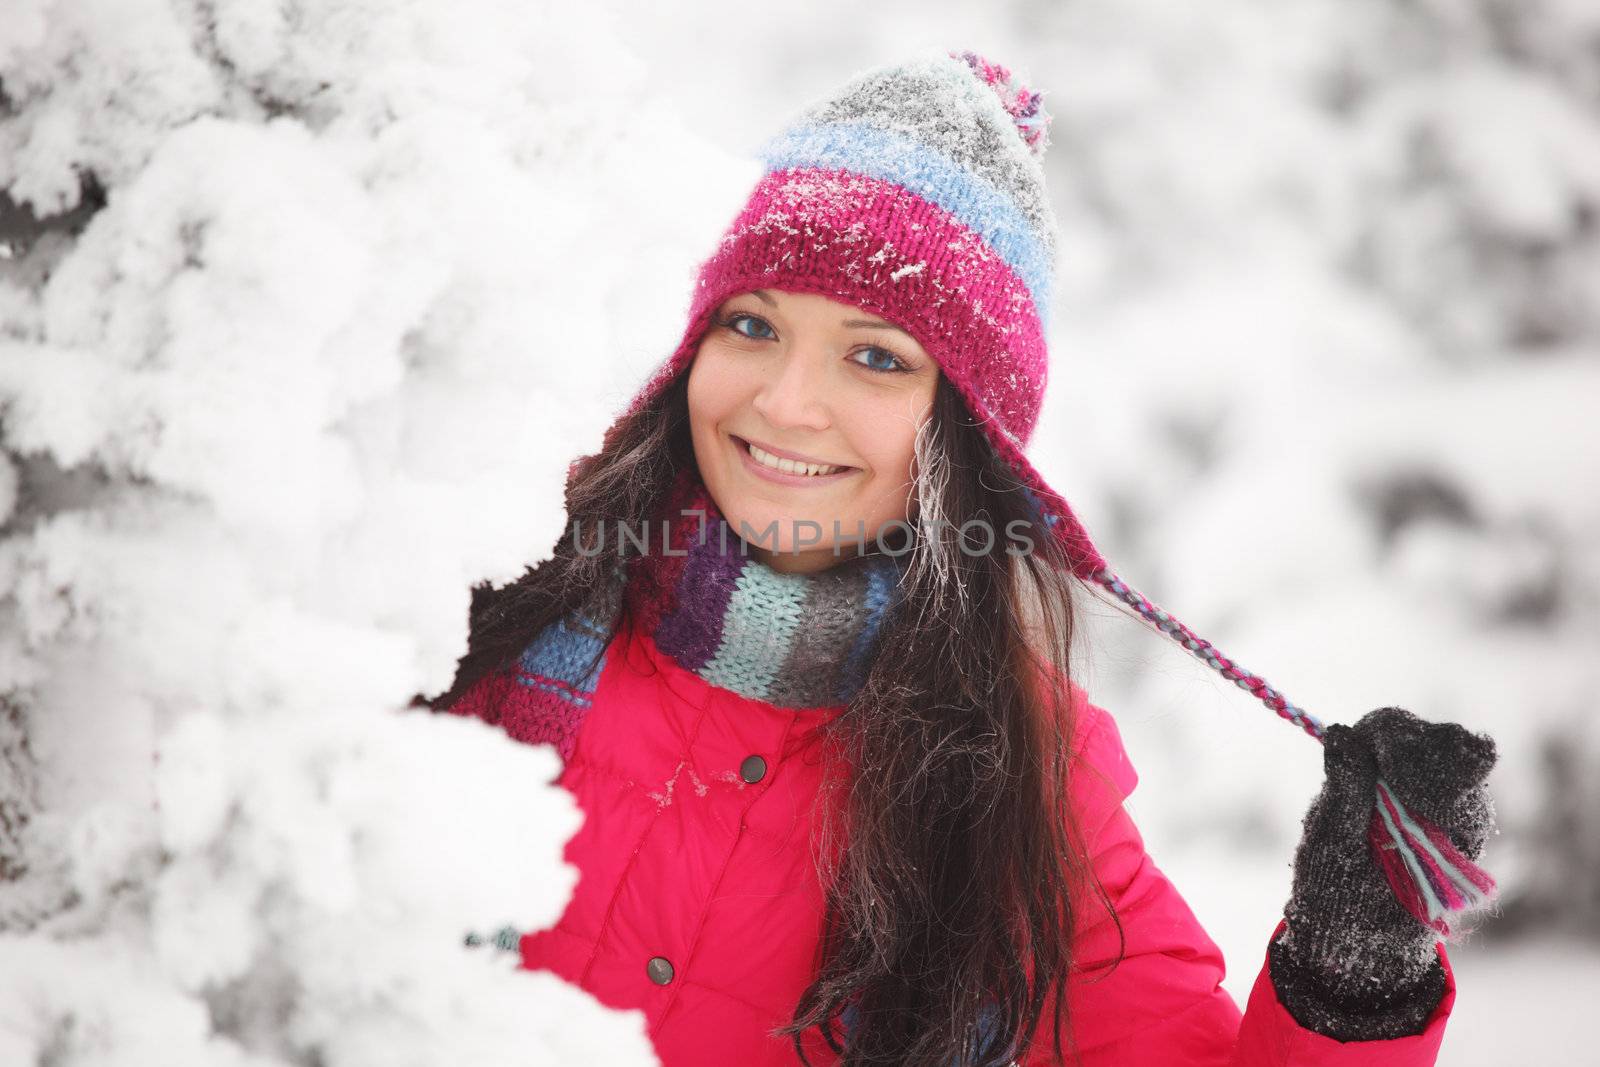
<point x="759" y="519"/>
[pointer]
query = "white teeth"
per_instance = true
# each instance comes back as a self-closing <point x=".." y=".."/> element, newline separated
<point x="789" y="466"/>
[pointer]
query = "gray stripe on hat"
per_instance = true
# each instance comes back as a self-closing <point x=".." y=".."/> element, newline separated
<point x="943" y="104"/>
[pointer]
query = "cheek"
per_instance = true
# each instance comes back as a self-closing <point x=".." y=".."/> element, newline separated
<point x="891" y="460"/>
<point x="712" y="392"/>
<point x="884" y="434"/>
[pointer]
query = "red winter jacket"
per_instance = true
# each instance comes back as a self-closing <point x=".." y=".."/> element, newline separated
<point x="698" y="902"/>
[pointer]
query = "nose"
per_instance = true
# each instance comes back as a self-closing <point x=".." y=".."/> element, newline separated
<point x="795" y="393"/>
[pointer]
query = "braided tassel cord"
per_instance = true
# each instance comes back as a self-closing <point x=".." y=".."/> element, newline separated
<point x="1429" y="875"/>
<point x="1207" y="653"/>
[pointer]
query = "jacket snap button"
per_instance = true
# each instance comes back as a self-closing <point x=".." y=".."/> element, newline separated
<point x="659" y="969"/>
<point x="753" y="769"/>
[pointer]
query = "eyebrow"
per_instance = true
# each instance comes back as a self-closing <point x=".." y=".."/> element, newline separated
<point x="866" y="324"/>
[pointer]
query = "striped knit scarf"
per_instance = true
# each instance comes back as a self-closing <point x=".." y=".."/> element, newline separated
<point x="700" y="593"/>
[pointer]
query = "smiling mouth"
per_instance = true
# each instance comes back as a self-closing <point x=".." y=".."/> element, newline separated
<point x="788" y="466"/>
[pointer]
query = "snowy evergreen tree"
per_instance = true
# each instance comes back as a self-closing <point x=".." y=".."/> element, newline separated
<point x="306" y="309"/>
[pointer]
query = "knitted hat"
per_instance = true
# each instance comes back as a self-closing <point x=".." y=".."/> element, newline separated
<point x="916" y="192"/>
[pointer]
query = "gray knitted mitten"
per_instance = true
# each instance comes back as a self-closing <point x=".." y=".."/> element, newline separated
<point x="1353" y="963"/>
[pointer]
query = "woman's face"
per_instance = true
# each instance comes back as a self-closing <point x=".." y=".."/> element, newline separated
<point x="801" y="376"/>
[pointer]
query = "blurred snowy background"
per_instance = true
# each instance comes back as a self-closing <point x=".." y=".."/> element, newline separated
<point x="305" y="306"/>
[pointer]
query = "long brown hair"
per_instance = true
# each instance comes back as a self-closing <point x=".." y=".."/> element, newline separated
<point x="948" y="918"/>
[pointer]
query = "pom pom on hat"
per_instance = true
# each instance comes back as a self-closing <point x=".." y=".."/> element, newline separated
<point x="1024" y="105"/>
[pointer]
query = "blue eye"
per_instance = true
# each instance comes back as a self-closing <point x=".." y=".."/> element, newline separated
<point x="737" y="322"/>
<point x="732" y="321"/>
<point x="895" y="366"/>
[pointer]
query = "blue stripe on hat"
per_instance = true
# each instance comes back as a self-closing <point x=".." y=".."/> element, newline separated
<point x="891" y="156"/>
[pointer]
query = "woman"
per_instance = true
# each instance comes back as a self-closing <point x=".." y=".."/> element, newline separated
<point x="805" y="654"/>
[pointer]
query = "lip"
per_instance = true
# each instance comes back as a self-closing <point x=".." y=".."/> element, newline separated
<point x="780" y="477"/>
<point x="784" y="453"/>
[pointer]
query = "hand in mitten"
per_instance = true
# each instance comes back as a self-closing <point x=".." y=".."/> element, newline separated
<point x="1353" y="962"/>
